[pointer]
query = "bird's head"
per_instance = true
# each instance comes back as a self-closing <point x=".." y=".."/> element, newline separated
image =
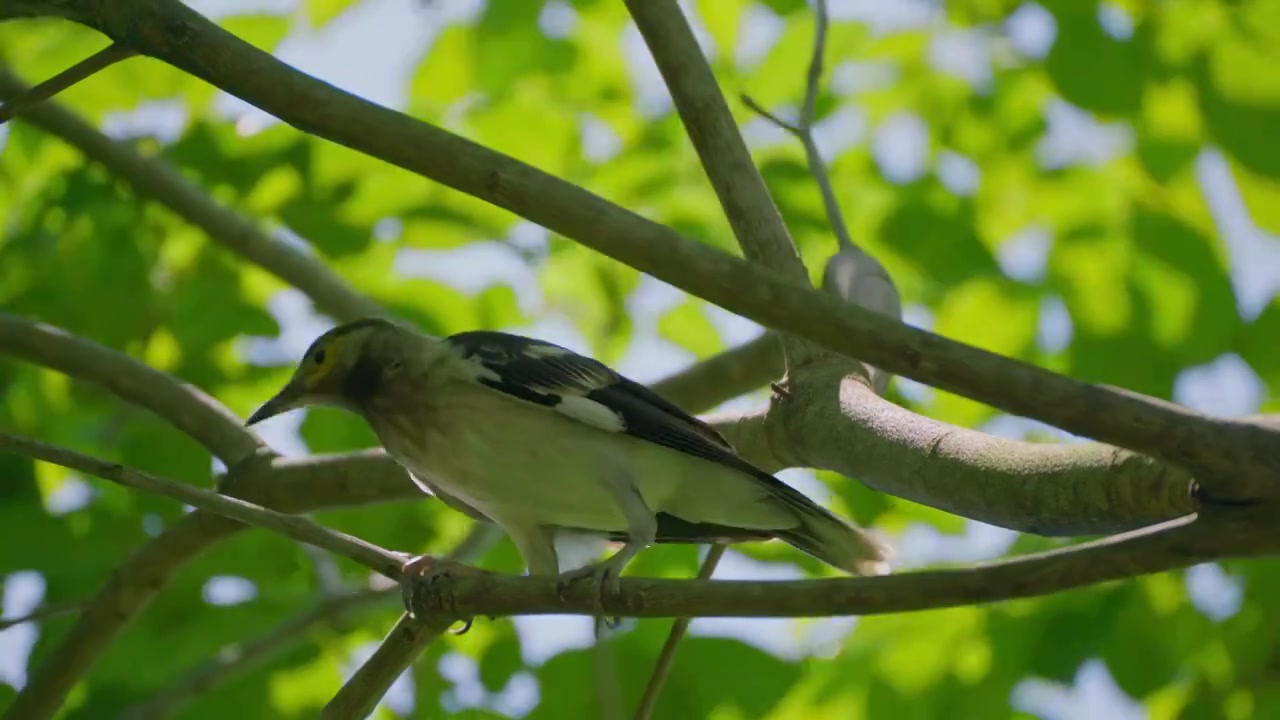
<point x="345" y="367"/>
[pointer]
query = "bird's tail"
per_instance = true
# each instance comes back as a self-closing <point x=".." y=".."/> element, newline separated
<point x="834" y="540"/>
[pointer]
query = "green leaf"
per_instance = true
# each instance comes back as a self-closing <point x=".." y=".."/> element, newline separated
<point x="321" y="12"/>
<point x="994" y="315"/>
<point x="1091" y="69"/>
<point x="1261" y="196"/>
<point x="689" y="327"/>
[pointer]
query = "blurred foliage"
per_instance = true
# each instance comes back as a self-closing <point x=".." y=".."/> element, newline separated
<point x="1116" y="229"/>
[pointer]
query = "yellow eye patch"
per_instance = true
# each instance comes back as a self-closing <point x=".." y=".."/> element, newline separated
<point x="319" y="361"/>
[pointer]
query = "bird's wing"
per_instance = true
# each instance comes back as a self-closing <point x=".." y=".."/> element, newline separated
<point x="589" y="391"/>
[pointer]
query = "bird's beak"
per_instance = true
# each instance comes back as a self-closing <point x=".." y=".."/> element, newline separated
<point x="289" y="398"/>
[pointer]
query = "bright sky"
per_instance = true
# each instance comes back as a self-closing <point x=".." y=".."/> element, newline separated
<point x="373" y="48"/>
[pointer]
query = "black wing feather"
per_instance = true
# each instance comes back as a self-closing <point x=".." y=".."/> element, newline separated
<point x="542" y="372"/>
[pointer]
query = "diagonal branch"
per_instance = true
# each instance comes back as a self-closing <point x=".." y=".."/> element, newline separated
<point x="750" y="209"/>
<point x="725" y="376"/>
<point x="235" y="658"/>
<point x="834" y="421"/>
<point x="104" y="58"/>
<point x="747" y="204"/>
<point x="362" y="691"/>
<point x="239" y="657"/>
<point x="152" y="177"/>
<point x="1237" y="460"/>
<point x="40" y="614"/>
<point x="299" y="528"/>
<point x="662" y="668"/>
<point x="803" y="128"/>
<point x="183" y="406"/>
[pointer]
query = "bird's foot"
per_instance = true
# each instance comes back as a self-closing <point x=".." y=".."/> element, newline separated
<point x="606" y="574"/>
<point x="418" y="585"/>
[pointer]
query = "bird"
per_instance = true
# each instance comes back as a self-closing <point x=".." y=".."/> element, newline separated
<point x="539" y="439"/>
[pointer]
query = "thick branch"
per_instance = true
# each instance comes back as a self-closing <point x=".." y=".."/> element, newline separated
<point x="183" y="406"/>
<point x="154" y="178"/>
<point x="833" y="421"/>
<point x="104" y="58"/>
<point x="1239" y="458"/>
<point x="301" y="529"/>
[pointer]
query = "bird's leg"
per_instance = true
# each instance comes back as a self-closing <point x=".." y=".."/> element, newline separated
<point x="536" y="544"/>
<point x="642" y="530"/>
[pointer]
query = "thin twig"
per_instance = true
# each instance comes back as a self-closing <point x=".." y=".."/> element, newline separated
<point x="679" y="628"/>
<point x="47" y="612"/>
<point x="100" y="60"/>
<point x="813" y="82"/>
<point x="298" y="528"/>
<point x="609" y="703"/>
<point x="803" y="128"/>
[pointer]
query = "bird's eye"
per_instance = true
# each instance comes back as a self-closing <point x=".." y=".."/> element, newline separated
<point x="319" y="357"/>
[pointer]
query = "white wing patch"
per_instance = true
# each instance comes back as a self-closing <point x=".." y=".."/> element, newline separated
<point x="590" y="412"/>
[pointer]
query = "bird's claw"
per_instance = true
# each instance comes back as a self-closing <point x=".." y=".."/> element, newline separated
<point x="419" y="575"/>
<point x="603" y="575"/>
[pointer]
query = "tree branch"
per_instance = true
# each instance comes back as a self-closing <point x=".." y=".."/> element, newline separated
<point x="237" y="657"/>
<point x="361" y="693"/>
<point x="747" y="204"/>
<point x="104" y="58"/>
<point x="40" y="614"/>
<point x="1172" y="545"/>
<point x="154" y="178"/>
<point x="803" y="129"/>
<point x="184" y="406"/>
<point x="725" y="376"/>
<point x="1236" y="460"/>
<point x="662" y="668"/>
<point x="299" y="528"/>
<point x="833" y="421"/>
